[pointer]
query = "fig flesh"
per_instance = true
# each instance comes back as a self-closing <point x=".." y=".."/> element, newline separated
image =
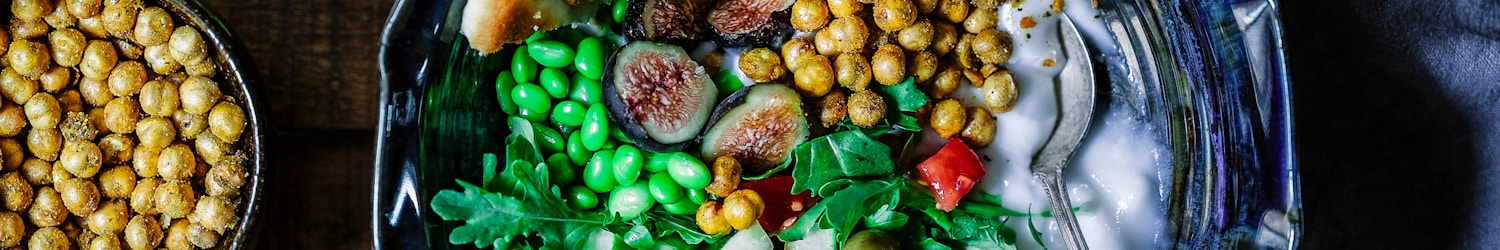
<point x="751" y="23"/>
<point x="660" y="97"/>
<point x="667" y="21"/>
<point x="757" y="125"/>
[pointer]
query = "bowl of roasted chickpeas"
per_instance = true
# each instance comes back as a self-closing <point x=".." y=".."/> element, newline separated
<point x="125" y="124"/>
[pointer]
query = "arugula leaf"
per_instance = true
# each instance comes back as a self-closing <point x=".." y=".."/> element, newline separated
<point x="806" y="224"/>
<point x="848" y="154"/>
<point x="639" y="237"/>
<point x="886" y="218"/>
<point x="905" y="95"/>
<point x="848" y="207"/>
<point x="980" y="233"/>
<point x="497" y="219"/>
<point x="1035" y="235"/>
<point x="684" y="226"/>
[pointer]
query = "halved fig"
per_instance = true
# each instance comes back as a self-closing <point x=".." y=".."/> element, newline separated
<point x="757" y="125"/>
<point x="753" y="23"/>
<point x="660" y="97"/>
<point x="667" y="21"/>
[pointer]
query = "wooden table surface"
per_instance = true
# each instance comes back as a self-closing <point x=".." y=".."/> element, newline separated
<point x="318" y="65"/>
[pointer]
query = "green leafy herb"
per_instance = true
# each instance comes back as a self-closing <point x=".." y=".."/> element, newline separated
<point x="1036" y="235"/>
<point x="684" y="226"/>
<point x="905" y="95"/>
<point x="842" y="155"/>
<point x="498" y="219"/>
<point x="639" y="237"/>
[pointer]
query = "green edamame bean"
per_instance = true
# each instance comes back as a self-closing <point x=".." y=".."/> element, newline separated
<point x="627" y="164"/>
<point x="504" y="83"/>
<point x="697" y="195"/>
<point x="560" y="170"/>
<point x="550" y="53"/>
<point x="569" y="113"/>
<point x="576" y="153"/>
<point x="728" y="82"/>
<point x="539" y="35"/>
<point x="531" y="116"/>
<point x="664" y="189"/>
<point x="619" y="135"/>
<point x="630" y="201"/>
<point x="590" y="58"/>
<point x="555" y="82"/>
<point x="599" y="175"/>
<point x="532" y="97"/>
<point x="611" y="144"/>
<point x="548" y="140"/>
<point x="595" y="127"/>
<point x="681" y="207"/>
<point x="620" y="10"/>
<point x="522" y="67"/>
<point x="688" y="171"/>
<point x="658" y="162"/>
<point x="581" y="198"/>
<point x="587" y="91"/>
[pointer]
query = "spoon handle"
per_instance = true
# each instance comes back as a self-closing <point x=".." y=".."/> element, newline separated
<point x="1062" y="208"/>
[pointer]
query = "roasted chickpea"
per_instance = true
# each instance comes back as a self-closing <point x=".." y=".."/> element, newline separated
<point x="849" y="34"/>
<point x="155" y="132"/>
<point x="81" y="158"/>
<point x="726" y="179"/>
<point x="110" y="219"/>
<point x="71" y="101"/>
<point x="987" y="69"/>
<point x="159" y="98"/>
<point x="95" y="92"/>
<point x="202" y="68"/>
<point x="917" y="36"/>
<point x="945" y="82"/>
<point x="982" y="19"/>
<point x="853" y="71"/>
<point x="59" y="17"/>
<point x="144" y="160"/>
<point x="832" y="108"/>
<point x="117" y="149"/>
<point x="99" y="59"/>
<point x="12" y="121"/>
<point x="55" y="79"/>
<point x="48" y="209"/>
<point x="809" y="15"/>
<point x="199" y="94"/>
<point x="190" y="124"/>
<point x="48" y="238"/>
<point x="117" y="182"/>
<point x="922" y="65"/>
<point x="120" y="15"/>
<point x="16" y="193"/>
<point x="29" y="28"/>
<point x="202" y="237"/>
<point x="981" y="128"/>
<point x="845" y="8"/>
<point x="93" y="27"/>
<point x="84" y="8"/>
<point x="964" y="52"/>
<point x="37" y="172"/>
<point x="28" y="58"/>
<point x="30" y="9"/>
<point x="44" y="143"/>
<point x="60" y="173"/>
<point x="177" y="236"/>
<point x="214" y="213"/>
<point x="68" y="45"/>
<point x="127" y="78"/>
<point x="742" y="208"/>
<point x="866" y="108"/>
<point x="10" y="150"/>
<point x="225" y="178"/>
<point x="796" y="49"/>
<point x="944" y="37"/>
<point x="814" y="79"/>
<point x="12" y="229"/>
<point x="153" y="26"/>
<point x="948" y="117"/>
<point x="159" y="58"/>
<point x="187" y="46"/>
<point x="889" y="65"/>
<point x="710" y="218"/>
<point x="121" y="114"/>
<point x="143" y="232"/>
<point x="43" y="111"/>
<point x="16" y="87"/>
<point x="893" y="15"/>
<point x="1000" y="92"/>
<point x="974" y="76"/>
<point x="176" y="162"/>
<point x="925" y="7"/>
<point x="954" y="11"/>
<point x="79" y="195"/>
<point x="991" y="46"/>
<point x="143" y="196"/>
<point x="105" y="242"/>
<point x="175" y="199"/>
<point x="824" y="42"/>
<point x="760" y="64"/>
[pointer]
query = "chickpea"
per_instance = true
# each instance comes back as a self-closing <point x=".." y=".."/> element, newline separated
<point x="143" y="232"/>
<point x="981" y="19"/>
<point x="948" y="117"/>
<point x="48" y="238"/>
<point x="944" y="37"/>
<point x="76" y="127"/>
<point x="954" y="11"/>
<point x="127" y="78"/>
<point x="190" y="124"/>
<point x="974" y="76"/>
<point x="760" y="64"/>
<point x="809" y="15"/>
<point x="814" y="79"/>
<point x="917" y="36"/>
<point x="55" y="79"/>
<point x="844" y="8"/>
<point x="742" y="208"/>
<point x="30" y="9"/>
<point x="176" y="162"/>
<point x="48" y="209"/>
<point x="120" y="15"/>
<point x="210" y="148"/>
<point x="84" y="8"/>
<point x="159" y="98"/>
<point x="214" y="213"/>
<point x="15" y="192"/>
<point x="59" y="17"/>
<point x="121" y="114"/>
<point x="199" y="94"/>
<point x="794" y="50"/>
<point x="964" y="52"/>
<point x="177" y="236"/>
<point x="95" y="92"/>
<point x="1000" y="92"/>
<point x="203" y="68"/>
<point x="99" y="59"/>
<point x="991" y="46"/>
<point x="60" y="173"/>
<point x="853" y="71"/>
<point x="710" y="218"/>
<point x="117" y="182"/>
<point x="105" y="242"/>
<point x="96" y="120"/>
<point x="37" y="172"/>
<point x="713" y="61"/>
<point x="159" y="58"/>
<point x="922" y="65"/>
<point x="201" y="236"/>
<point x="117" y="149"/>
<point x="93" y="27"/>
<point x="10" y="150"/>
<point x="866" y="108"/>
<point x="81" y="158"/>
<point x="225" y="178"/>
<point x="28" y="58"/>
<point x="175" y="199"/>
<point x="44" y="143"/>
<point x="893" y="15"/>
<point x="71" y="101"/>
<point x="68" y="45"/>
<point x="187" y="46"/>
<point x="12" y="120"/>
<point x="824" y="42"/>
<point x="925" y="7"/>
<point x="153" y="26"/>
<point x="833" y="107"/>
<point x="726" y="179"/>
<point x="43" y="111"/>
<point x="12" y="229"/>
<point x="29" y="28"/>
<point x="16" y="87"/>
<point x="143" y="196"/>
<point x="79" y="195"/>
<point x="848" y="34"/>
<point x="110" y="219"/>
<point x="981" y="128"/>
<point x="889" y="65"/>
<point x="945" y="82"/>
<point x="144" y="160"/>
<point x="155" y="132"/>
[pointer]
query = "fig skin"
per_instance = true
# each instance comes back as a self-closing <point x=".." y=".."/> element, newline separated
<point x="632" y="128"/>
<point x="689" y="27"/>
<point x="777" y="30"/>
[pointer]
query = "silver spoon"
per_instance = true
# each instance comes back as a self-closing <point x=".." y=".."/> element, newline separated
<point x="1076" y="101"/>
